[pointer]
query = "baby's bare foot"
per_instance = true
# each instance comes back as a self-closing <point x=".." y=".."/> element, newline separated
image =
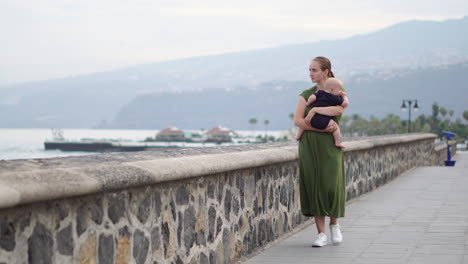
<point x="339" y="145"/>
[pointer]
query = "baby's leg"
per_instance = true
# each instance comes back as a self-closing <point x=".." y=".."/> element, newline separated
<point x="337" y="136"/>
<point x="300" y="131"/>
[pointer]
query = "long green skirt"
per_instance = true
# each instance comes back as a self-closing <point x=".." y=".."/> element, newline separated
<point x="321" y="175"/>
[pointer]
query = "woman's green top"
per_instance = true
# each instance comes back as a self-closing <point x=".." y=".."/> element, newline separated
<point x="321" y="172"/>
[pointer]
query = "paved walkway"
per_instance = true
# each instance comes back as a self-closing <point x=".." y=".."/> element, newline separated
<point x="420" y="217"/>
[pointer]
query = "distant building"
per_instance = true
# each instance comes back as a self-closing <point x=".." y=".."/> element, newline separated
<point x="195" y="137"/>
<point x="220" y="134"/>
<point x="170" y="134"/>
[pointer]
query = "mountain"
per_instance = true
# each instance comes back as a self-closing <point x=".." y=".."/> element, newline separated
<point x="96" y="99"/>
<point x="275" y="100"/>
<point x="445" y="85"/>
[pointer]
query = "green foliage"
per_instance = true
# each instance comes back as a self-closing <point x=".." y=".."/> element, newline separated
<point x="392" y="124"/>
<point x="435" y="109"/>
<point x="443" y="111"/>
<point x="253" y="121"/>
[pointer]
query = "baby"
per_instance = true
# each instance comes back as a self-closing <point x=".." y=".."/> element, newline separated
<point x="331" y="95"/>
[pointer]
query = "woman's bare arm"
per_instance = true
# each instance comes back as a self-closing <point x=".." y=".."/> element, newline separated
<point x="329" y="110"/>
<point x="299" y="117"/>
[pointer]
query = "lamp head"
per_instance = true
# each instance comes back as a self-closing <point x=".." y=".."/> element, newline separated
<point x="403" y="106"/>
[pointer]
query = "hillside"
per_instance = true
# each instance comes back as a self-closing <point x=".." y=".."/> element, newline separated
<point x="86" y="101"/>
<point x="274" y="101"/>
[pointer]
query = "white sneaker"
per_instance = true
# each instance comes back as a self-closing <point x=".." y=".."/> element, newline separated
<point x="320" y="241"/>
<point x="336" y="236"/>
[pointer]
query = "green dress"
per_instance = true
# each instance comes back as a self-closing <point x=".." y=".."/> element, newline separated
<point x="321" y="172"/>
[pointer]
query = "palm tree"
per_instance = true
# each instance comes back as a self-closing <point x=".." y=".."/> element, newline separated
<point x="343" y="121"/>
<point x="443" y="112"/>
<point x="266" y="122"/>
<point x="435" y="121"/>
<point x="253" y="122"/>
<point x="465" y="116"/>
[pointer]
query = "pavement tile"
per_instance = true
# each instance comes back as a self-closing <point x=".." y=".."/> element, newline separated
<point x="445" y="229"/>
<point x="436" y="259"/>
<point x="390" y="248"/>
<point x="453" y="235"/>
<point x="443" y="238"/>
<point x="351" y="247"/>
<point x="379" y="261"/>
<point x="465" y="259"/>
<point x="284" y="259"/>
<point x="453" y="223"/>
<point x="399" y="238"/>
<point x="385" y="255"/>
<point x="416" y="218"/>
<point x="455" y="249"/>
<point x="405" y="228"/>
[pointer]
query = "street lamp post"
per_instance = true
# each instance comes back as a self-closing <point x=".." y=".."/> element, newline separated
<point x="415" y="107"/>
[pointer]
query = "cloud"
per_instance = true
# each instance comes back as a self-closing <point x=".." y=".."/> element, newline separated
<point x="69" y="37"/>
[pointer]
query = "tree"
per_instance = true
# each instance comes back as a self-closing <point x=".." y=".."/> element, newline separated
<point x="443" y="112"/>
<point x="435" y="127"/>
<point x="291" y="116"/>
<point x="435" y="110"/>
<point x="253" y="122"/>
<point x="266" y="122"/>
<point x="344" y="124"/>
<point x="344" y="120"/>
<point x="392" y="124"/>
<point x="359" y="126"/>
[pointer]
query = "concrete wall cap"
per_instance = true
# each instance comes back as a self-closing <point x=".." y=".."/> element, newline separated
<point x="382" y="141"/>
<point x="22" y="182"/>
<point x="440" y="146"/>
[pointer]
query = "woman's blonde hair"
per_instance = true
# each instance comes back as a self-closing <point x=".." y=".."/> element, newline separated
<point x="325" y="64"/>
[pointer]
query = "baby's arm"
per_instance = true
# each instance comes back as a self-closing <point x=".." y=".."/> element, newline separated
<point x="309" y="116"/>
<point x="300" y="122"/>
<point x="311" y="99"/>
<point x="345" y="99"/>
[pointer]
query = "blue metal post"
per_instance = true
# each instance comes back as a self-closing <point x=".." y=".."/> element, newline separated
<point x="449" y="136"/>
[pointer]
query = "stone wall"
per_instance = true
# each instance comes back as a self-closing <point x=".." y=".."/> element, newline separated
<point x="440" y="155"/>
<point x="369" y="166"/>
<point x="174" y="206"/>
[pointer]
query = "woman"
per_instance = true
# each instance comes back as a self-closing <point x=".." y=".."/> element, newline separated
<point x="321" y="176"/>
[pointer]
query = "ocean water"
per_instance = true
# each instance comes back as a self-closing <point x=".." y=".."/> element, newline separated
<point x="29" y="143"/>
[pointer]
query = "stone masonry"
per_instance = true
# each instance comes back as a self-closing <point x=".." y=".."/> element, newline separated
<point x="196" y="208"/>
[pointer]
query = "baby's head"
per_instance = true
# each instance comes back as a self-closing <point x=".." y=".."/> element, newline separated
<point x="333" y="86"/>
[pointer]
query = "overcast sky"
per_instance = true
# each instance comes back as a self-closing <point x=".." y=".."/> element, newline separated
<point x="56" y="38"/>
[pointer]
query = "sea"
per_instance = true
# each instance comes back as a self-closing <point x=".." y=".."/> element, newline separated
<point x="29" y="143"/>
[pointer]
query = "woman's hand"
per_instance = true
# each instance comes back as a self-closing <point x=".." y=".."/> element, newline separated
<point x="309" y="116"/>
<point x="332" y="126"/>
